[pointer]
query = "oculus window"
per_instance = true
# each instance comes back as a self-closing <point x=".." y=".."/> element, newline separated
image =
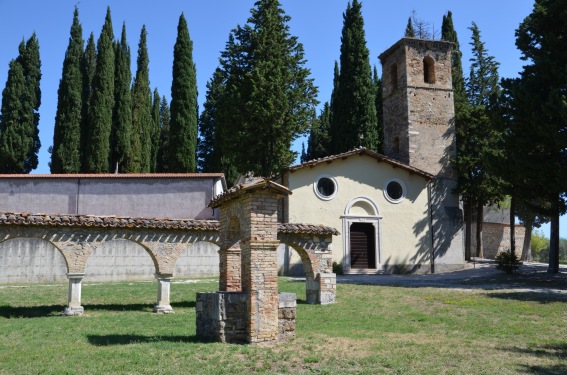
<point x="395" y="191"/>
<point x="326" y="187"/>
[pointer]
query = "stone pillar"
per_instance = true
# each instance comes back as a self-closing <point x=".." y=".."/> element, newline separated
<point x="74" y="307"/>
<point x="260" y="282"/>
<point x="229" y="269"/>
<point x="311" y="290"/>
<point x="163" y="287"/>
<point x="327" y="288"/>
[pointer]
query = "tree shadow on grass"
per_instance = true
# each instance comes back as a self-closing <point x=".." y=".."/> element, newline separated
<point x="10" y="312"/>
<point x="109" y="340"/>
<point x="541" y="296"/>
<point x="555" y="351"/>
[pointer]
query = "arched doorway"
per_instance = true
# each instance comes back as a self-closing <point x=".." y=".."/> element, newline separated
<point x="361" y="236"/>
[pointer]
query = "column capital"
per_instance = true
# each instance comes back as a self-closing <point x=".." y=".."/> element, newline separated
<point x="75" y="275"/>
<point x="163" y="275"/>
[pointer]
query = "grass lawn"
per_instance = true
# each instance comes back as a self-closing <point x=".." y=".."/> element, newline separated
<point x="371" y="330"/>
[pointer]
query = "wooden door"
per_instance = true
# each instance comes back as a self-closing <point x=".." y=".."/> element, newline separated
<point x="362" y="246"/>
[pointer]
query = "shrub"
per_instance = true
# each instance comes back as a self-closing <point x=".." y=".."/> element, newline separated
<point x="507" y="261"/>
<point x="338" y="268"/>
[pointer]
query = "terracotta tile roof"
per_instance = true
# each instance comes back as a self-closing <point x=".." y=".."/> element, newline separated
<point x="362" y="151"/>
<point x="115" y="175"/>
<point x="306" y="229"/>
<point x="57" y="220"/>
<point x="81" y="221"/>
<point x="251" y="183"/>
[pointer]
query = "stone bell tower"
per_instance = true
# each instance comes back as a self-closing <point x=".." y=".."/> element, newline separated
<point x="419" y="130"/>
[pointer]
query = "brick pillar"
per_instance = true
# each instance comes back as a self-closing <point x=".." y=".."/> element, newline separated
<point x="229" y="269"/>
<point x="260" y="282"/>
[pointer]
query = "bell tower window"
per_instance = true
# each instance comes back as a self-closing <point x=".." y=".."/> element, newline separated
<point x="428" y="70"/>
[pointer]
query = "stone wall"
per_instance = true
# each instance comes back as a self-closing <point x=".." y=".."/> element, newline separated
<point x="496" y="238"/>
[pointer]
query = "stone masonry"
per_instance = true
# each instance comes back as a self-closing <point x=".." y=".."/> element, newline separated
<point x="419" y="130"/>
<point x="248" y="265"/>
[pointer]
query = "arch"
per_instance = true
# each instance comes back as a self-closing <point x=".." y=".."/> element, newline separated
<point x="364" y="201"/>
<point x="305" y="258"/>
<point x="117" y="259"/>
<point x="31" y="260"/>
<point x="428" y="70"/>
<point x="199" y="259"/>
<point x="394" y="76"/>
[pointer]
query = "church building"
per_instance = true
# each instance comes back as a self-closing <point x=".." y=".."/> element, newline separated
<point x="396" y="212"/>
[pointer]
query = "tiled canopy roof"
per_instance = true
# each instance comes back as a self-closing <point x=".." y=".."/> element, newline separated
<point x="78" y="221"/>
<point x="249" y="184"/>
<point x="113" y="175"/>
<point x="361" y="151"/>
<point x="57" y="220"/>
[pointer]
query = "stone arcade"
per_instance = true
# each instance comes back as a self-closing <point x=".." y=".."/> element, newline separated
<point x="77" y="236"/>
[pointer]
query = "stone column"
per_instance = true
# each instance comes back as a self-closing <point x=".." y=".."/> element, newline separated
<point x="74" y="307"/>
<point x="163" y="286"/>
<point x="229" y="269"/>
<point x="260" y="282"/>
<point x="327" y="288"/>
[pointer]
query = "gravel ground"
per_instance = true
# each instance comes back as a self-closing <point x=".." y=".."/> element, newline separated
<point x="478" y="274"/>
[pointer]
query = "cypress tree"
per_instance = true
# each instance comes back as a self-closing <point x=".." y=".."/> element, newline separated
<point x="184" y="114"/>
<point x="354" y="109"/>
<point x="449" y="34"/>
<point x="88" y="66"/>
<point x="140" y="155"/>
<point x="21" y="98"/>
<point x="270" y="97"/>
<point x="410" y="32"/>
<point x="101" y="103"/>
<point x="319" y="139"/>
<point x="66" y="153"/>
<point x="208" y="151"/>
<point x="163" y="151"/>
<point x="122" y="111"/>
<point x="155" y="130"/>
<point x="378" y="103"/>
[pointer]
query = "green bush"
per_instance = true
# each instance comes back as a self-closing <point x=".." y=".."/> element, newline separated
<point x="338" y="268"/>
<point x="507" y="261"/>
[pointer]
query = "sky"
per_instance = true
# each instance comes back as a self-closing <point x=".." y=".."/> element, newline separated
<point x="316" y="23"/>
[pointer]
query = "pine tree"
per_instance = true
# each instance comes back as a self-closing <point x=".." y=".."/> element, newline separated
<point x="270" y="98"/>
<point x="88" y="67"/>
<point x="97" y="151"/>
<point x="155" y="130"/>
<point x="184" y="113"/>
<point x="410" y="32"/>
<point x="122" y="112"/>
<point x="66" y="152"/>
<point x="163" y="151"/>
<point x="21" y="98"/>
<point x="354" y="109"/>
<point x="140" y="155"/>
<point x="535" y="116"/>
<point x="478" y="136"/>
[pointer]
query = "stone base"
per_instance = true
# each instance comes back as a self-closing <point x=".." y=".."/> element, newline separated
<point x="163" y="309"/>
<point x="222" y="316"/>
<point x="73" y="311"/>
<point x="286" y="316"/>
